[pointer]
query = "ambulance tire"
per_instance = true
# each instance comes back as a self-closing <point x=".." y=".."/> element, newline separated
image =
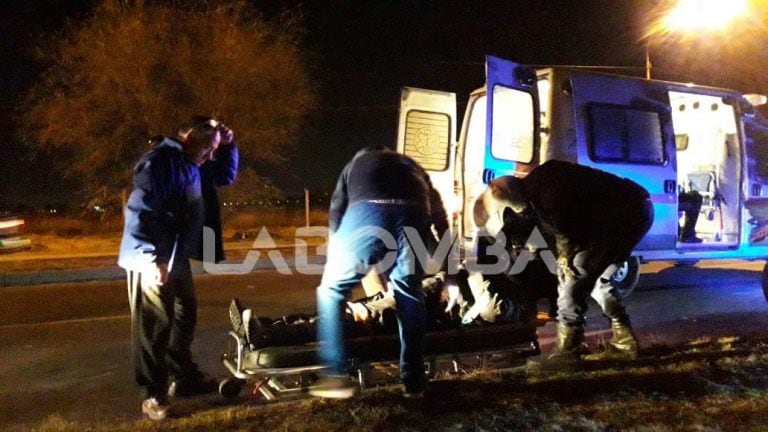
<point x="764" y="280"/>
<point x="626" y="277"/>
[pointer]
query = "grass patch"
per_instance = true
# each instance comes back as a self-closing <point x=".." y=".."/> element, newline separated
<point x="705" y="385"/>
<point x="235" y="222"/>
<point x="72" y="226"/>
<point x="248" y="223"/>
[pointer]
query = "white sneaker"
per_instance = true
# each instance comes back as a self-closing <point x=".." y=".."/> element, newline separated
<point x="154" y="409"/>
<point x="334" y="387"/>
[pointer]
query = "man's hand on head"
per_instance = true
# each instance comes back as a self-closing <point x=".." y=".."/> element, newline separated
<point x="227" y="135"/>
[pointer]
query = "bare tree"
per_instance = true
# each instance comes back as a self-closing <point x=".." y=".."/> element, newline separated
<point x="133" y="69"/>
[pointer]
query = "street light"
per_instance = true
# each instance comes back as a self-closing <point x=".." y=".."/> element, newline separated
<point x="689" y="18"/>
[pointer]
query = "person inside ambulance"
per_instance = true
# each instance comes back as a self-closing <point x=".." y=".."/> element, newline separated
<point x="591" y="220"/>
<point x="689" y="203"/>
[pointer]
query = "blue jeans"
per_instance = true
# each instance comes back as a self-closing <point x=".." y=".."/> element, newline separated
<point x="375" y="234"/>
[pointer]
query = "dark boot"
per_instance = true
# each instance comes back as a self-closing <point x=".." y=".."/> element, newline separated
<point x="623" y="344"/>
<point x="236" y="316"/>
<point x="566" y="355"/>
<point x="688" y="231"/>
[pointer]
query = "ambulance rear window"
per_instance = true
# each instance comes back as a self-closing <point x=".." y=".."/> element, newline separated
<point x="427" y="139"/>
<point x="623" y="134"/>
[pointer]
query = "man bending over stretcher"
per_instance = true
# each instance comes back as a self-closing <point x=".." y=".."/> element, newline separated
<point x="471" y="302"/>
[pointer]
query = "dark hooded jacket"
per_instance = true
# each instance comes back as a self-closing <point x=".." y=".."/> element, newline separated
<point x="581" y="208"/>
<point x="385" y="175"/>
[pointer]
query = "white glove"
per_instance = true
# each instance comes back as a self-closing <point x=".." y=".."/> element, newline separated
<point x="454" y="297"/>
<point x="486" y="306"/>
<point x="482" y="297"/>
<point x="492" y="311"/>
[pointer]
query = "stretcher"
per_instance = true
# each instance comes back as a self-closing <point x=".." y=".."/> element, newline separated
<point x="282" y="372"/>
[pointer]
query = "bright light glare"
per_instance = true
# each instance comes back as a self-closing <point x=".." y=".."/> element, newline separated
<point x="708" y="15"/>
<point x="11" y="223"/>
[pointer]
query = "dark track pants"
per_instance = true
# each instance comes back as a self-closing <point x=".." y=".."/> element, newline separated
<point x="162" y="329"/>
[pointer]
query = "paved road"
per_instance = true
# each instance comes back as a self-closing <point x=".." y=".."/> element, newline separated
<point x="63" y="348"/>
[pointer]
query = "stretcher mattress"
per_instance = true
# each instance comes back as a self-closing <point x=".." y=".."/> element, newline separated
<point x="387" y="347"/>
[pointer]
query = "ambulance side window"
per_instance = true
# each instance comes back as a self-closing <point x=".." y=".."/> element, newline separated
<point x="623" y="134"/>
<point x="512" y="132"/>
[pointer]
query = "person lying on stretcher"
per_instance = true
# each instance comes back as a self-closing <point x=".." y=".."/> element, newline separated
<point x="469" y="302"/>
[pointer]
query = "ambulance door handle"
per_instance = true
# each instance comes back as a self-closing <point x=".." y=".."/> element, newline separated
<point x="488" y="175"/>
<point x="670" y="186"/>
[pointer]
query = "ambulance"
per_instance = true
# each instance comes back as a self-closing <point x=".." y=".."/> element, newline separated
<point x="669" y="137"/>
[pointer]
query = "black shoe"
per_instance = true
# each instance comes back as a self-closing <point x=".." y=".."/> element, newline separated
<point x="415" y="386"/>
<point x="691" y="240"/>
<point x="236" y="316"/>
<point x="253" y="329"/>
<point x="205" y="384"/>
<point x="415" y="395"/>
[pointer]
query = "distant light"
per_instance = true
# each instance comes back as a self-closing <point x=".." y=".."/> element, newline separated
<point x="692" y="15"/>
<point x="11" y="223"/>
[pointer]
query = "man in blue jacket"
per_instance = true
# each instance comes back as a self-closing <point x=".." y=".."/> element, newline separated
<point x="383" y="200"/>
<point x="163" y="222"/>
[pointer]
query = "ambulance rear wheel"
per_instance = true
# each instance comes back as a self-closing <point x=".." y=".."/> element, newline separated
<point x="625" y="279"/>
<point x="764" y="280"/>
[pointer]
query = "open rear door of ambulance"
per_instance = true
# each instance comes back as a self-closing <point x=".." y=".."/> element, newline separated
<point x="427" y="133"/>
<point x="512" y="123"/>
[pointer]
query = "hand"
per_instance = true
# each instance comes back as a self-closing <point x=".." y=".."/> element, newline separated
<point x="567" y="270"/>
<point x="154" y="276"/>
<point x="482" y="297"/>
<point x="227" y="135"/>
<point x="454" y="296"/>
<point x="492" y="310"/>
<point x="359" y="312"/>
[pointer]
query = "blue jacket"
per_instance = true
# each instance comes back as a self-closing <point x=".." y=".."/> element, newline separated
<point x="164" y="211"/>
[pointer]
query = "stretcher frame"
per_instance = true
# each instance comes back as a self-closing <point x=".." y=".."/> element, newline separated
<point x="295" y="381"/>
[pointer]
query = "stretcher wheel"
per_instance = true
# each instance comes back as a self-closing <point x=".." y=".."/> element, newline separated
<point x="230" y="387"/>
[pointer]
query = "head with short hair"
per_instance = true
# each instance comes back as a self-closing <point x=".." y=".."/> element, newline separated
<point x="200" y="137"/>
<point x="371" y="148"/>
<point x="504" y="202"/>
<point x="375" y="147"/>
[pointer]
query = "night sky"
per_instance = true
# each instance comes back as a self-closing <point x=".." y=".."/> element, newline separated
<point x="363" y="52"/>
